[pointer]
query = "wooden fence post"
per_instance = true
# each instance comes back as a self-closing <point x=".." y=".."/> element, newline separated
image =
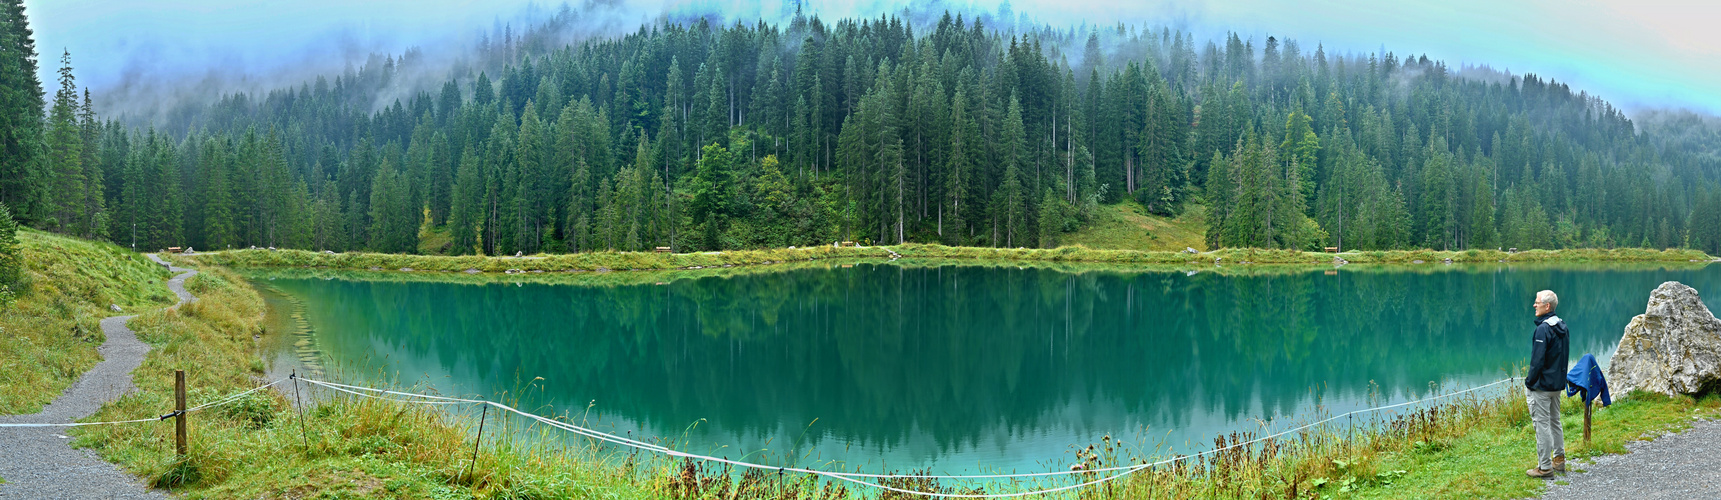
<point x="1586" y="424"/>
<point x="179" y="408"/>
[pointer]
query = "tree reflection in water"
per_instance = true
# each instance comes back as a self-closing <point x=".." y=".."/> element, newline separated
<point x="957" y="366"/>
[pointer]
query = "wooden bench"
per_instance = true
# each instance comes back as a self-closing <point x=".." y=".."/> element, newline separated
<point x="173" y="249"/>
<point x="1332" y="249"/>
<point x="848" y="243"/>
<point x="661" y="250"/>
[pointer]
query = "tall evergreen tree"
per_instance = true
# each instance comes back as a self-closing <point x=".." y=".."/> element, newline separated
<point x="23" y="185"/>
<point x="65" y="143"/>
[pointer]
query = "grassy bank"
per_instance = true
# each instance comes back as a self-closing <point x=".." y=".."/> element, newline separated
<point x="1239" y="256"/>
<point x="659" y="277"/>
<point x="48" y="337"/>
<point x="259" y="447"/>
<point x="649" y="261"/>
<point x="581" y="262"/>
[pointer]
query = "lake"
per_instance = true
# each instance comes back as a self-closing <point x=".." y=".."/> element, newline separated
<point x="959" y="367"/>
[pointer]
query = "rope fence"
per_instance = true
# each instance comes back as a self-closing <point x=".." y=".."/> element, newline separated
<point x="863" y="479"/>
<point x="223" y="401"/>
<point x="866" y="479"/>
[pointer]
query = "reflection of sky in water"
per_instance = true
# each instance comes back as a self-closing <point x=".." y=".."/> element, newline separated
<point x="962" y="369"/>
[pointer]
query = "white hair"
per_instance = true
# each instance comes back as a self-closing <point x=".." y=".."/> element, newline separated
<point x="1548" y="297"/>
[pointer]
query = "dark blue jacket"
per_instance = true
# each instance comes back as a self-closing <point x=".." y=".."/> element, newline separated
<point x="1586" y="377"/>
<point x="1548" y="355"/>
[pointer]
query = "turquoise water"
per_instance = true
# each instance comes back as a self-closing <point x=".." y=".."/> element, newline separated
<point x="961" y="368"/>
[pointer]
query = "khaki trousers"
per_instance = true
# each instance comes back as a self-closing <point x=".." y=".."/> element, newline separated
<point x="1550" y="438"/>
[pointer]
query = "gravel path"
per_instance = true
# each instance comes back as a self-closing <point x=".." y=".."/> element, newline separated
<point x="1683" y="465"/>
<point x="38" y="462"/>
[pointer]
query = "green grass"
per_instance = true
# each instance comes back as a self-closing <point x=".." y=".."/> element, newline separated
<point x="575" y="262"/>
<point x="434" y="240"/>
<point x="1128" y="226"/>
<point x="48" y="337"/>
<point x="1229" y="261"/>
<point x="345" y="449"/>
<point x="1253" y="256"/>
<point x="1488" y="461"/>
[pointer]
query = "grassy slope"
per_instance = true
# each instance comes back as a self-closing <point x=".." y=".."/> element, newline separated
<point x="346" y="448"/>
<point x="48" y="338"/>
<point x="1128" y="226"/>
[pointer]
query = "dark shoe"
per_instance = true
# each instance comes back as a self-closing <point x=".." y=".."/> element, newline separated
<point x="1560" y="464"/>
<point x="1539" y="473"/>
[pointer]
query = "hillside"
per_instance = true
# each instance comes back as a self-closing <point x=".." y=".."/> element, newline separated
<point x="1129" y="226"/>
<point x="50" y="334"/>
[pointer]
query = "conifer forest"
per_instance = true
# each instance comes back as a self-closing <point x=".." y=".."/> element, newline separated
<point x="699" y="136"/>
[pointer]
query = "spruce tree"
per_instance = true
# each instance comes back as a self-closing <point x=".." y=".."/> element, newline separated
<point x="22" y="186"/>
<point x="65" y="144"/>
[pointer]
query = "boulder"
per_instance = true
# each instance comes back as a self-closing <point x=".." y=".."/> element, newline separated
<point x="1674" y="347"/>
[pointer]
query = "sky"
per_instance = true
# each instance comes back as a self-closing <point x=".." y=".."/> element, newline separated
<point x="1637" y="54"/>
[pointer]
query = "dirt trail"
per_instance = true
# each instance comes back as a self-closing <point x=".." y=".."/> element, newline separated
<point x="39" y="462"/>
<point x="1681" y="465"/>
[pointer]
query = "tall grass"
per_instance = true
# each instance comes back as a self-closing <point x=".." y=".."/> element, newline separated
<point x="589" y="261"/>
<point x="1226" y="256"/>
<point x="649" y="261"/>
<point x="261" y="447"/>
<point x="49" y="335"/>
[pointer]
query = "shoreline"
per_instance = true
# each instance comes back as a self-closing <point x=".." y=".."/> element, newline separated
<point x="607" y="262"/>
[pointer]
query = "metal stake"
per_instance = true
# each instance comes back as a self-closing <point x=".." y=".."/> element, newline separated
<point x="476" y="440"/>
<point x="301" y="404"/>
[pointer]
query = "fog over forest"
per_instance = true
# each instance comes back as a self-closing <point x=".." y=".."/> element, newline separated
<point x="1639" y="55"/>
<point x="614" y="126"/>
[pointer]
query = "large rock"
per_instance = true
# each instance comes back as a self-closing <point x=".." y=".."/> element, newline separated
<point x="1674" y="347"/>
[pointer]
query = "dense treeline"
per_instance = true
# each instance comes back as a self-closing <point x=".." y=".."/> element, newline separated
<point x="699" y="136"/>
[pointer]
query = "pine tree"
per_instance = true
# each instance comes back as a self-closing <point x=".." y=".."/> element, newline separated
<point x="1301" y="146"/>
<point x="167" y="218"/>
<point x="957" y="171"/>
<point x="394" y="228"/>
<point x="23" y="187"/>
<point x="65" y="143"/>
<point x="218" y="231"/>
<point x="466" y="209"/>
<point x="95" y="223"/>
<point x="711" y="193"/>
<point x="1012" y="208"/>
<point x="1051" y="219"/>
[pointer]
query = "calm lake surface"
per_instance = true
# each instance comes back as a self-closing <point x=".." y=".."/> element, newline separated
<point x="959" y="368"/>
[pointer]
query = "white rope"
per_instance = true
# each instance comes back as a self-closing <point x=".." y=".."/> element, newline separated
<point x="333" y="385"/>
<point x="860" y="478"/>
<point x="80" y="424"/>
<point x="235" y="397"/>
<point x="340" y="388"/>
<point x="222" y="401"/>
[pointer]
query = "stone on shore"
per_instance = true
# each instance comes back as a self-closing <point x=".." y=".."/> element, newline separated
<point x="1674" y="347"/>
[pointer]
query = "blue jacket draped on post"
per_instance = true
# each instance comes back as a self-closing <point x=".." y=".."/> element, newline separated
<point x="1587" y="377"/>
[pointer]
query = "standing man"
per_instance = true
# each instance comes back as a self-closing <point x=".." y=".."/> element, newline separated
<point x="1547" y="378"/>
